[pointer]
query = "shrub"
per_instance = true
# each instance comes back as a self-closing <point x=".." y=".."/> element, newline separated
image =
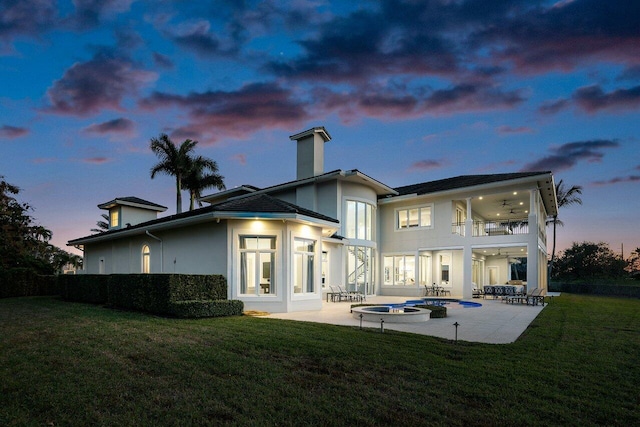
<point x="204" y="308"/>
<point x="437" y="311"/>
<point x="24" y="282"/>
<point x="90" y="288"/>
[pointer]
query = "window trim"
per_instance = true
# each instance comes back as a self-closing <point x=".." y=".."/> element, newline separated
<point x="305" y="256"/>
<point x="369" y="219"/>
<point x="405" y="256"/>
<point x="396" y="217"/>
<point x="273" y="289"/>
<point x="145" y="257"/>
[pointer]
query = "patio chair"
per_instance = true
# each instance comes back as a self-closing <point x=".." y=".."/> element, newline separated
<point x="351" y="296"/>
<point x="488" y="291"/>
<point x="536" y="297"/>
<point x="519" y="297"/>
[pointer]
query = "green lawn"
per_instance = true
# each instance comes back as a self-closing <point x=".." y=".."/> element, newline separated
<point x="76" y="364"/>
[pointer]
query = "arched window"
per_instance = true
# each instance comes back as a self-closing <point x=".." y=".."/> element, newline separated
<point x="146" y="259"/>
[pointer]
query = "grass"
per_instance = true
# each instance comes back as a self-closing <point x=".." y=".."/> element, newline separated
<point x="77" y="364"/>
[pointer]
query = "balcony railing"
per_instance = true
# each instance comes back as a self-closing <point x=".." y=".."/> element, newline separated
<point x="501" y="228"/>
<point x="457" y="228"/>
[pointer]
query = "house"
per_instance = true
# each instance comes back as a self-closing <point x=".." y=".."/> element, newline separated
<point x="281" y="247"/>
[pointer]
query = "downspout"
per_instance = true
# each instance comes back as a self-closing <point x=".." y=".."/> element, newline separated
<point x="161" y="250"/>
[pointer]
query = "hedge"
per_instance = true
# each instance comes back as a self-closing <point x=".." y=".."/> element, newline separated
<point x="614" y="290"/>
<point x="211" y="308"/>
<point x="90" y="288"/>
<point x="23" y="282"/>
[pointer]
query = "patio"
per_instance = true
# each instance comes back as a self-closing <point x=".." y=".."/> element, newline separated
<point x="494" y="323"/>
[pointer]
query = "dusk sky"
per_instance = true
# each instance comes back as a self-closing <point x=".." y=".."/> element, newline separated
<point x="410" y="91"/>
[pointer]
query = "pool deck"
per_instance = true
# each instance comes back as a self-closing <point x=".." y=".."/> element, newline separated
<point x="495" y="322"/>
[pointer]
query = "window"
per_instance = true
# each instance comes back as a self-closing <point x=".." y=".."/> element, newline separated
<point x="413" y="217"/>
<point x="303" y="266"/>
<point x="113" y="218"/>
<point x="257" y="262"/>
<point x="146" y="259"/>
<point x="358" y="221"/>
<point x="400" y="270"/>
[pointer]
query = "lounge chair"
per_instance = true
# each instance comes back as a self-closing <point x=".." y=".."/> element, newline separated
<point x="351" y="296"/>
<point x="337" y="294"/>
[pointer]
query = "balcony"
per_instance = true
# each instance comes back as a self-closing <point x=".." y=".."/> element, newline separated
<point x="457" y="228"/>
<point x="513" y="226"/>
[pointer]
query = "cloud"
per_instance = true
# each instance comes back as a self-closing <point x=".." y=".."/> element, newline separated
<point x="568" y="155"/>
<point x="538" y="38"/>
<point x="592" y="98"/>
<point x="100" y="83"/>
<point x="98" y="160"/>
<point x="162" y="61"/>
<point x="240" y="158"/>
<point x="234" y="113"/>
<point x="507" y="130"/>
<point x="25" y="18"/>
<point x="630" y="73"/>
<point x="399" y="103"/>
<point x="89" y="13"/>
<point x="119" y="126"/>
<point x="618" y="180"/>
<point x="425" y="165"/>
<point x="553" y="107"/>
<point x="11" y="132"/>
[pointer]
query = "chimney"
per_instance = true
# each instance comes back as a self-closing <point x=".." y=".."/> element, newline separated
<point x="311" y="151"/>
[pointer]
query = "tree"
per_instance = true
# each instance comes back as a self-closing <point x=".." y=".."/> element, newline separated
<point x="174" y="161"/>
<point x="102" y="225"/>
<point x="23" y="243"/>
<point x="588" y="260"/>
<point x="565" y="197"/>
<point x="633" y="267"/>
<point x="201" y="173"/>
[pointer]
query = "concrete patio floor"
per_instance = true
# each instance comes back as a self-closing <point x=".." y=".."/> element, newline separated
<point x="495" y="322"/>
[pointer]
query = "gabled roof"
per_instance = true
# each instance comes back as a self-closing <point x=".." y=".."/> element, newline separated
<point x="135" y="202"/>
<point x="463" y="181"/>
<point x="255" y="206"/>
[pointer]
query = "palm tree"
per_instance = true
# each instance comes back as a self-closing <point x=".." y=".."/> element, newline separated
<point x="201" y="173"/>
<point x="103" y="224"/>
<point x="173" y="161"/>
<point x="566" y="197"/>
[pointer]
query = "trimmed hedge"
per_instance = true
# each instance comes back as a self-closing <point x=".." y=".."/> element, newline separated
<point x="23" y="282"/>
<point x="90" y="288"/>
<point x="162" y="294"/>
<point x="437" y="311"/>
<point x="614" y="290"/>
<point x="212" y="308"/>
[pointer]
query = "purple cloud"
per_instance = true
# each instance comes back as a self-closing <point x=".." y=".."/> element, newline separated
<point x="235" y="113"/>
<point x="89" y="13"/>
<point x="618" y="180"/>
<point x="119" y="126"/>
<point x="593" y="98"/>
<point x="100" y="83"/>
<point x="11" y="132"/>
<point x="25" y="18"/>
<point x="507" y="130"/>
<point x="98" y="160"/>
<point x="425" y="165"/>
<point x="567" y="155"/>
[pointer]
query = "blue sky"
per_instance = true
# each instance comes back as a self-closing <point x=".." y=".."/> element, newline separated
<point x="410" y="91"/>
